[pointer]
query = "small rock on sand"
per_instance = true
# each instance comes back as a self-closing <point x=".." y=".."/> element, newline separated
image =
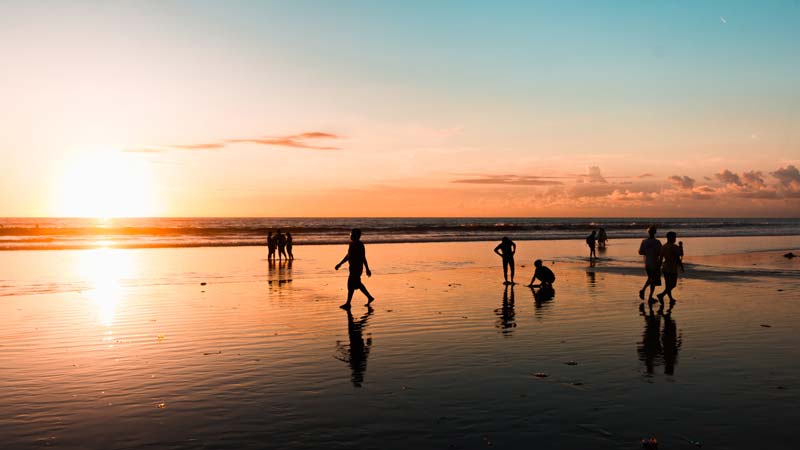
<point x="203" y="283"/>
<point x="790" y="255"/>
<point x="540" y="375"/>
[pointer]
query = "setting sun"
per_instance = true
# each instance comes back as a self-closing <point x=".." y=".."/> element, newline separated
<point x="106" y="185"/>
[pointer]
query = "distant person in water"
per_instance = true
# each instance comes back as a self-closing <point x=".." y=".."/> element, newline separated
<point x="270" y="246"/>
<point x="289" y="245"/>
<point x="670" y="260"/>
<point x="506" y="250"/>
<point x="591" y="241"/>
<point x="357" y="258"/>
<point x="542" y="273"/>
<point x="280" y="239"/>
<point x="602" y="238"/>
<point x="650" y="248"/>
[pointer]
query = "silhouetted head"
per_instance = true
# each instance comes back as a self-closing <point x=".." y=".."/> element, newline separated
<point x="594" y="232"/>
<point x="672" y="237"/>
<point x="506" y="240"/>
<point x="279" y="231"/>
<point x="288" y="234"/>
<point x="355" y="234"/>
<point x="652" y="231"/>
<point x="538" y="263"/>
<point x="270" y="233"/>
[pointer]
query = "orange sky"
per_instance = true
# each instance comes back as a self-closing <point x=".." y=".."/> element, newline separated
<point x="245" y="109"/>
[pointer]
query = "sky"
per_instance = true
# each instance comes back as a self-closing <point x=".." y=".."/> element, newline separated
<point x="415" y="108"/>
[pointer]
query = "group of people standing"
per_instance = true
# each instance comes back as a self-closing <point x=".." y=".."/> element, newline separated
<point x="281" y="244"/>
<point x="597" y="239"/>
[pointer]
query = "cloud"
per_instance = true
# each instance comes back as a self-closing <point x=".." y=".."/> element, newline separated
<point x="728" y="177"/>
<point x="682" y="182"/>
<point x="788" y="176"/>
<point x="646" y="175"/>
<point x="753" y="178"/>
<point x="144" y="150"/>
<point x="300" y="140"/>
<point x="513" y="180"/>
<point x="594" y="175"/>
<point x="209" y="146"/>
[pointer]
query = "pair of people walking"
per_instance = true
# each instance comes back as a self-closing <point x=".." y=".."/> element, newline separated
<point x="280" y="242"/>
<point x="658" y="259"/>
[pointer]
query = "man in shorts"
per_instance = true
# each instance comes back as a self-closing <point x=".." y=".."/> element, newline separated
<point x="357" y="258"/>
<point x="651" y="250"/>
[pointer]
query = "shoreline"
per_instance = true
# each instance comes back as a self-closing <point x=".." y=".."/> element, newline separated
<point x="371" y="242"/>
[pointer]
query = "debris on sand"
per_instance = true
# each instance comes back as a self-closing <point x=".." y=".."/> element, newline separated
<point x="203" y="283"/>
<point x="540" y="375"/>
<point x="219" y="352"/>
<point x="161" y="405"/>
<point x="571" y="363"/>
<point x="790" y="255"/>
<point x="650" y="443"/>
<point x="766" y="325"/>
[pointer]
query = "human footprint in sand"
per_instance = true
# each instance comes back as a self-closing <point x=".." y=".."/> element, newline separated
<point x="506" y="250"/>
<point x="357" y="258"/>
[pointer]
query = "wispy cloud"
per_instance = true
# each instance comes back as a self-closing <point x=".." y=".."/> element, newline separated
<point x="682" y="182"/>
<point x="304" y="140"/>
<point x="513" y="180"/>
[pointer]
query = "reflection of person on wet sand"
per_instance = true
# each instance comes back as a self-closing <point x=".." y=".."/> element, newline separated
<point x="355" y="354"/>
<point x="506" y="312"/>
<point x="506" y="250"/>
<point x="357" y="258"/>
<point x="542" y="273"/>
<point x="659" y="344"/>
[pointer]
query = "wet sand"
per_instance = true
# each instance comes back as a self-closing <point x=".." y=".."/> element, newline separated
<point x="126" y="349"/>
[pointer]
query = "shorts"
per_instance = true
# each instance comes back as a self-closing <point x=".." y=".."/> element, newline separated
<point x="354" y="281"/>
<point x="653" y="276"/>
<point x="670" y="280"/>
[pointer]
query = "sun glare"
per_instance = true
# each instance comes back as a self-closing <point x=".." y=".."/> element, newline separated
<point x="106" y="185"/>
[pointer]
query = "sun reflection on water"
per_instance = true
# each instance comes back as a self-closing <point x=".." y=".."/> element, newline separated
<point x="104" y="270"/>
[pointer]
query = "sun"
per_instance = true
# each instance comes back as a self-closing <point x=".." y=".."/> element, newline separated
<point x="106" y="184"/>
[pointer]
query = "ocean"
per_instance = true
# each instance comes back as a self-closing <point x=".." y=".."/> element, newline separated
<point x="80" y="233"/>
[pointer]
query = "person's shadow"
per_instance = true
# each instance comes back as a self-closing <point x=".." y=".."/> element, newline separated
<point x="542" y="299"/>
<point x="505" y="314"/>
<point x="280" y="272"/>
<point x="356" y="350"/>
<point x="659" y="346"/>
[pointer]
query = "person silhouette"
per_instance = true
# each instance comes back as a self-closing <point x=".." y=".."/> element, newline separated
<point x="670" y="261"/>
<point x="356" y="352"/>
<point x="542" y="273"/>
<point x="289" y="245"/>
<point x="356" y="256"/>
<point x="602" y="238"/>
<point x="591" y="241"/>
<point x="506" y="250"/>
<point x="270" y="246"/>
<point x="650" y="248"/>
<point x="280" y="239"/>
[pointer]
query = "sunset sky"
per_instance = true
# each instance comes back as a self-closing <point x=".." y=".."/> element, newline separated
<point x="299" y="108"/>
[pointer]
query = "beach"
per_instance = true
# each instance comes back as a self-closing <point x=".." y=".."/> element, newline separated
<point x="219" y="348"/>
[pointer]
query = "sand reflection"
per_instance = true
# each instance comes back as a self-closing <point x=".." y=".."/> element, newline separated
<point x="103" y="270"/>
<point x="356" y="350"/>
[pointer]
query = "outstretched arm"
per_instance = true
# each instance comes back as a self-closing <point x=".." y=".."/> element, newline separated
<point x="344" y="260"/>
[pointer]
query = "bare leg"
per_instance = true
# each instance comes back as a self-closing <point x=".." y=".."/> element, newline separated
<point x="349" y="298"/>
<point x="370" y="298"/>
